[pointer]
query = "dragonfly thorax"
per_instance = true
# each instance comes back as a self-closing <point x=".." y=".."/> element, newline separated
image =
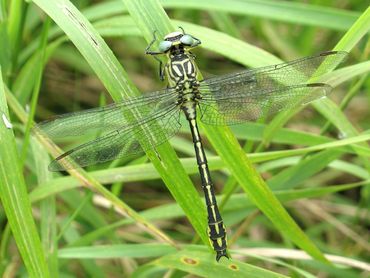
<point x="180" y="68"/>
<point x="181" y="72"/>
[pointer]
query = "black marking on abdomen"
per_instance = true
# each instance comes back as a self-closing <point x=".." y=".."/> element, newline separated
<point x="216" y="227"/>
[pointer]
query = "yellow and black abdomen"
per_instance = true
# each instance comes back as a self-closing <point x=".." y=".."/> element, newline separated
<point x="181" y="73"/>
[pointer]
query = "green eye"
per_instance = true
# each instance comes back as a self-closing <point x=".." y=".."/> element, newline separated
<point x="164" y="46"/>
<point x="187" y="40"/>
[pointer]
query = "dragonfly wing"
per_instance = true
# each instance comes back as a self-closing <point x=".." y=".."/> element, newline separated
<point x="270" y="77"/>
<point x="129" y="140"/>
<point x="102" y="120"/>
<point x="251" y="94"/>
<point x="238" y="109"/>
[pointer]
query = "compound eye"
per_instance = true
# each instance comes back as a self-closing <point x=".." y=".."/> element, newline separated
<point x="164" y="46"/>
<point x="187" y="40"/>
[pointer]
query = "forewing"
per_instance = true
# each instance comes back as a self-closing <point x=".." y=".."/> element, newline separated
<point x="128" y="140"/>
<point x="270" y="77"/>
<point x="102" y="120"/>
<point x="251" y="94"/>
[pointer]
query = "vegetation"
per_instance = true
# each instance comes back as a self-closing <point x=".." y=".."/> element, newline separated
<point x="296" y="205"/>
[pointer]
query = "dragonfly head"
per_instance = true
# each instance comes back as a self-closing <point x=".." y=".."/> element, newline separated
<point x="178" y="39"/>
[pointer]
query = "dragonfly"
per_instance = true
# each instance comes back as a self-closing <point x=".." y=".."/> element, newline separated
<point x="141" y="123"/>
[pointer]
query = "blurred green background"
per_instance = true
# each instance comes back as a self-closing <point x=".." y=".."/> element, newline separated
<point x="314" y="161"/>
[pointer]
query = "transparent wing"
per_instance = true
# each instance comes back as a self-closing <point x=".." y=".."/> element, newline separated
<point x="251" y="94"/>
<point x="102" y="120"/>
<point x="128" y="140"/>
<point x="238" y="109"/>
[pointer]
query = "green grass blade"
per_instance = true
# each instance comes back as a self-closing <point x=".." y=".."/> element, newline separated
<point x="36" y="89"/>
<point x="225" y="23"/>
<point x="304" y="169"/>
<point x="344" y="74"/>
<point x="283" y="11"/>
<point x="147" y="250"/>
<point x="325" y="146"/>
<point x="47" y="208"/>
<point x="24" y="82"/>
<point x="292" y="12"/>
<point x="115" y="79"/>
<point x="358" y="30"/>
<point x="199" y="262"/>
<point x="326" y="107"/>
<point x="14" y="197"/>
<point x="16" y="20"/>
<point x="5" y="53"/>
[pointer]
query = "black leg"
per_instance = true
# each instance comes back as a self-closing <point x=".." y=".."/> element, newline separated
<point x="153" y="53"/>
<point x="147" y="51"/>
<point x="198" y="42"/>
<point x="182" y="29"/>
<point x="161" y="69"/>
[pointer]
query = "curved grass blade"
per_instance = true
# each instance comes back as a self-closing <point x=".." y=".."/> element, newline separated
<point x="199" y="262"/>
<point x="292" y="12"/>
<point x="14" y="197"/>
<point x="284" y="11"/>
<point x="115" y="79"/>
<point x="48" y="219"/>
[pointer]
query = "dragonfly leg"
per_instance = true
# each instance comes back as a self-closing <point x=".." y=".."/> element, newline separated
<point x="154" y="53"/>
<point x="182" y="29"/>
<point x="147" y="49"/>
<point x="161" y="69"/>
<point x="197" y="42"/>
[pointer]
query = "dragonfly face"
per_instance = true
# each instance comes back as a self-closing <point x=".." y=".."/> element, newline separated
<point x="177" y="42"/>
<point x="175" y="45"/>
<point x="142" y="123"/>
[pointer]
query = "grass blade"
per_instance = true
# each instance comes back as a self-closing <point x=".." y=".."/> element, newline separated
<point x="14" y="197"/>
<point x="199" y="262"/>
<point x="115" y="79"/>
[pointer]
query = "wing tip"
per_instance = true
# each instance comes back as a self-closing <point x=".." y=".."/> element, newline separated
<point x="61" y="163"/>
<point x="333" y="52"/>
<point x="327" y="53"/>
<point x="318" y="85"/>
